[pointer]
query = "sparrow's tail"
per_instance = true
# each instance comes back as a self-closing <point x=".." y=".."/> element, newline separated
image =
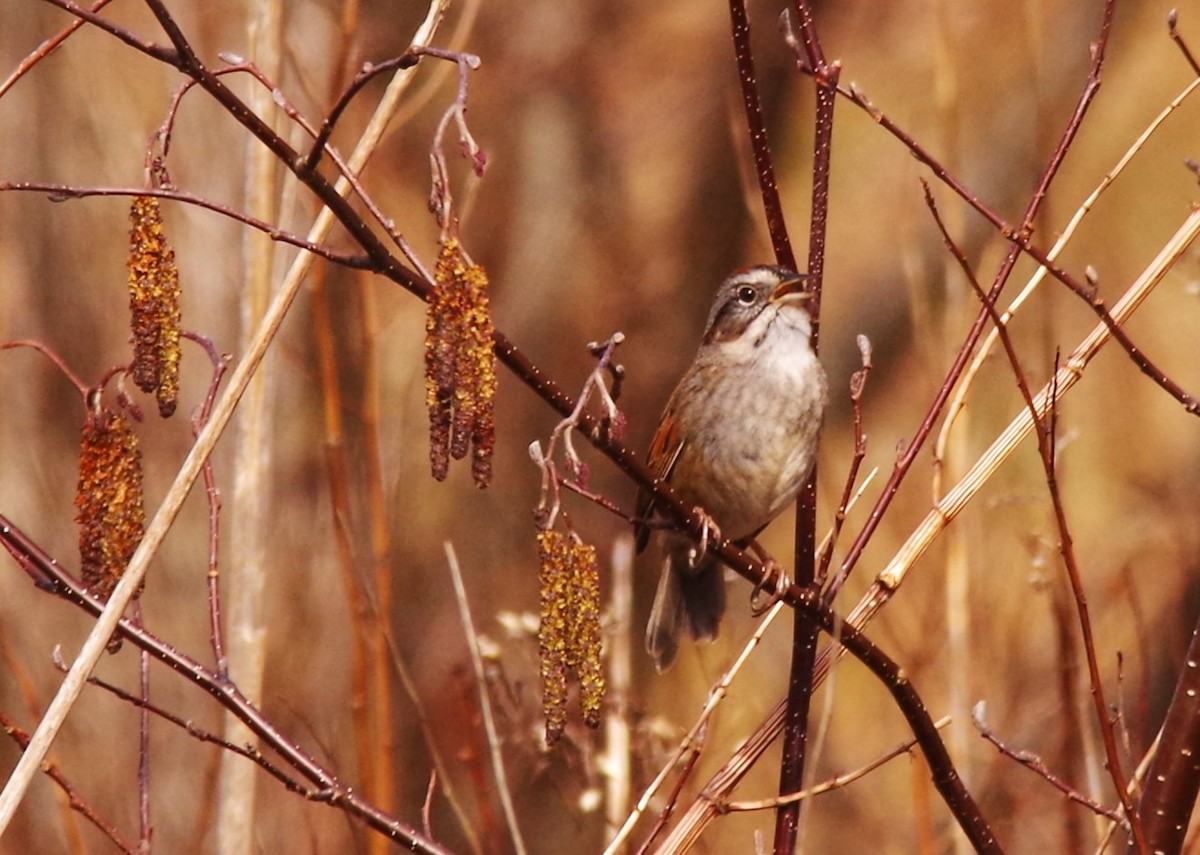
<point x="691" y="598"/>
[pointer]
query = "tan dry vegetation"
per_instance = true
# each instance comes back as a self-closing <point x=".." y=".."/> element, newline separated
<point x="616" y="198"/>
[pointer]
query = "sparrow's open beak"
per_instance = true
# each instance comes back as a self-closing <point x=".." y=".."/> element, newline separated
<point x="792" y="287"/>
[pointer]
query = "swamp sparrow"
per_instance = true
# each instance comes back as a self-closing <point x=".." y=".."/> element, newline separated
<point x="737" y="439"/>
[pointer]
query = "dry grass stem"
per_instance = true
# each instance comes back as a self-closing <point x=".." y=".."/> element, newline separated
<point x="945" y="510"/>
<point x="834" y="783"/>
<point x="485" y="703"/>
<point x="617" y="758"/>
<point x="89" y="654"/>
<point x="613" y="201"/>
<point x="248" y="578"/>
<point x="958" y="402"/>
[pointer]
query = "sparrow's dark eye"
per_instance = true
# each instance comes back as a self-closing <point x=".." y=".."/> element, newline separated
<point x="747" y="295"/>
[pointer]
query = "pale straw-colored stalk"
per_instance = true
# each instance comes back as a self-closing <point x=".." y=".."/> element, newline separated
<point x="93" y="647"/>
<point x="244" y="592"/>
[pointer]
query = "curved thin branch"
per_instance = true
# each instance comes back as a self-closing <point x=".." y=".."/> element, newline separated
<point x="64" y="192"/>
<point x="49" y="575"/>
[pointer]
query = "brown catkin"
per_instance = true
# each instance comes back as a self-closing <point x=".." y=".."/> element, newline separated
<point x="111" y="511"/>
<point x="460" y="366"/>
<point x="154" y="296"/>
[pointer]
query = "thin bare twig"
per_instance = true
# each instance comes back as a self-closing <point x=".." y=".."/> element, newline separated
<point x="763" y="165"/>
<point x="1035" y="765"/>
<point x="485" y="703"/>
<point x="834" y="783"/>
<point x="327" y="787"/>
<point x="1176" y="36"/>
<point x="220" y="364"/>
<point x="74" y="800"/>
<point x="441" y="201"/>
<point x="858" y="385"/>
<point x="1044" y="434"/>
<point x="200" y="734"/>
<point x="46" y="48"/>
<point x="612" y="422"/>
<point x="366" y="74"/>
<point x="63" y="192"/>
<point x="805" y="635"/>
<point x="85" y="391"/>
<point x="913" y="448"/>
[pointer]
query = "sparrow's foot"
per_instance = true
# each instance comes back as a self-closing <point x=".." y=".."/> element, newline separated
<point x="770" y="588"/>
<point x="708" y="529"/>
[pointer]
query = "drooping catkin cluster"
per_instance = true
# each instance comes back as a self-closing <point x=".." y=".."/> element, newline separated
<point x="569" y="632"/>
<point x="460" y="366"/>
<point x="154" y="302"/>
<point x="109" y="500"/>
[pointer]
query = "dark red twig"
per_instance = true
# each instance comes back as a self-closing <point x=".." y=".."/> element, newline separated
<point x="805" y="634"/>
<point x="858" y="386"/>
<point x="74" y="379"/>
<point x="1020" y="241"/>
<point x="326" y="786"/>
<point x="63" y="192"/>
<point x="1035" y="765"/>
<point x="220" y="363"/>
<point x="1067" y="550"/>
<point x="664" y="816"/>
<point x="1173" y="780"/>
<point x="365" y="75"/>
<point x="1044" y="431"/>
<point x="74" y="800"/>
<point x="46" y="48"/>
<point x="200" y="734"/>
<point x="763" y="166"/>
<point x="1177" y="37"/>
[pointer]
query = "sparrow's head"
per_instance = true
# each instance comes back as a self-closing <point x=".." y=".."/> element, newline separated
<point x="750" y="299"/>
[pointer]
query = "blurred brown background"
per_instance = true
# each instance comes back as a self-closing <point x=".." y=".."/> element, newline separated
<point x="616" y="198"/>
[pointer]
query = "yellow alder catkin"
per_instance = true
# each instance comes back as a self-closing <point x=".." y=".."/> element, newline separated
<point x="460" y="366"/>
<point x="569" y="635"/>
<point x="552" y="631"/>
